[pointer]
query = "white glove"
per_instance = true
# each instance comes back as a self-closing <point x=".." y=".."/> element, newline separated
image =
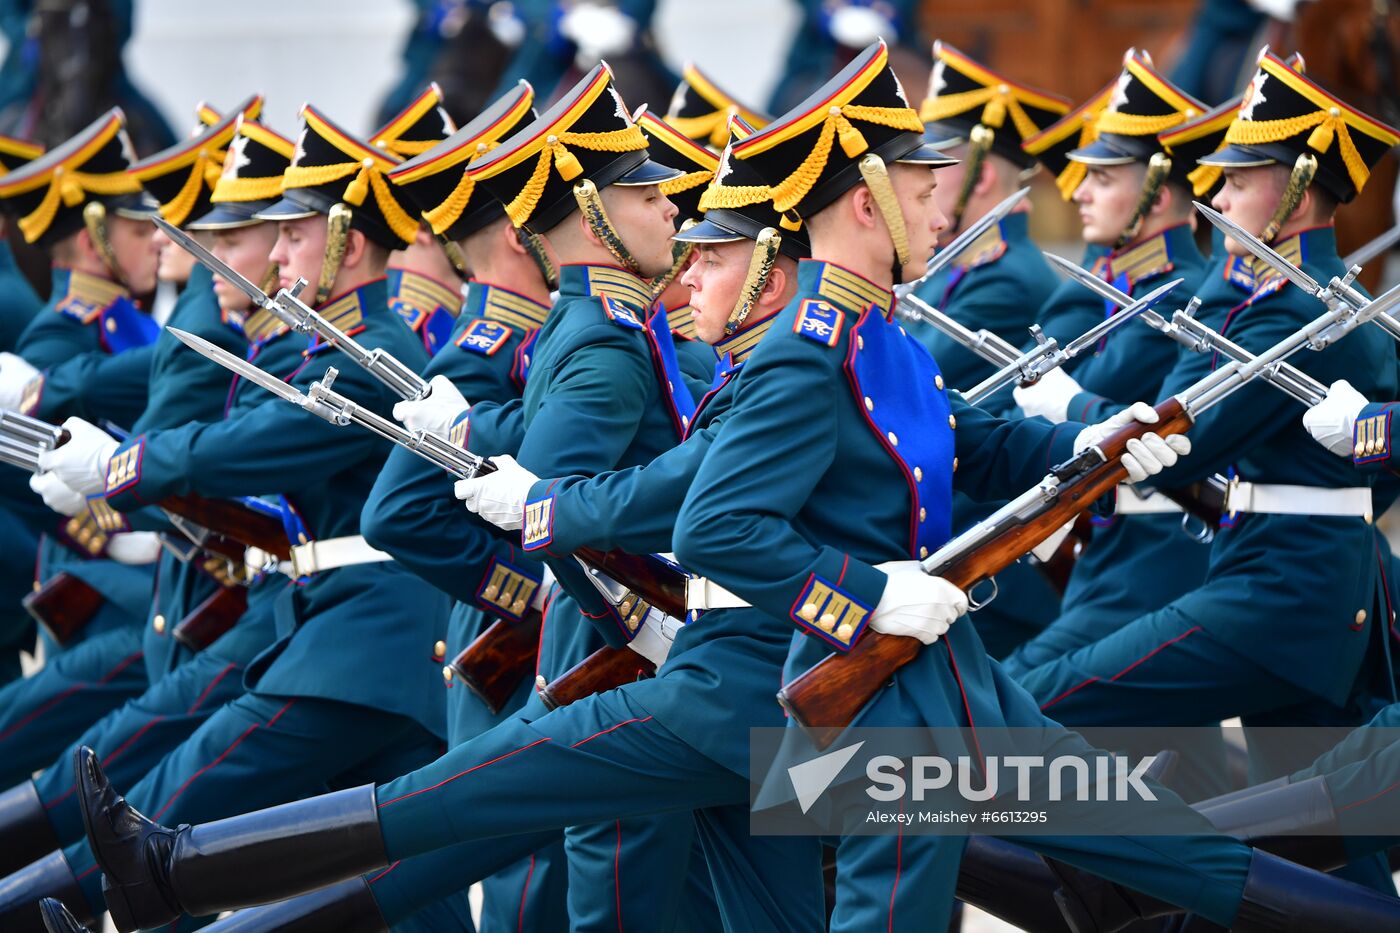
<point x="134" y="547"/>
<point x="82" y="462"/>
<point x="15" y="374"/>
<point x="1145" y="457"/>
<point x="435" y="413"/>
<point x="855" y="27"/>
<point x="57" y="495"/>
<point x="598" y="30"/>
<point x="915" y="604"/>
<point x="499" y="496"/>
<point x="542" y="591"/>
<point x="1281" y="10"/>
<point x="1332" y="421"/>
<point x="1049" y="396"/>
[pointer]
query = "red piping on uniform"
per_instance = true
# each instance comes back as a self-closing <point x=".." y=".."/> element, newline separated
<point x="106" y="761"/>
<point x="212" y="684"/>
<point x="1357" y="803"/>
<point x="898" y="867"/>
<point x="1171" y="641"/>
<point x="461" y="773"/>
<point x="122" y="665"/>
<point x="967" y="707"/>
<point x="617" y="875"/>
<point x="384" y="872"/>
<point x="625" y="722"/>
<point x="222" y="755"/>
<point x="524" y="894"/>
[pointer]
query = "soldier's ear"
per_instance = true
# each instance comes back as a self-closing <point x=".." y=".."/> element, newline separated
<point x="776" y="283"/>
<point x="863" y="205"/>
<point x="356" y="248"/>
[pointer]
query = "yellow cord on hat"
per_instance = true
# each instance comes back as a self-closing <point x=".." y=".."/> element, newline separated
<point x="1203" y="178"/>
<point x="207" y="169"/>
<point x="447" y="213"/>
<point x="686" y="182"/>
<point x="1137" y="124"/>
<point x="712" y="127"/>
<point x="1069" y="180"/>
<point x="555" y="152"/>
<point x="789" y="192"/>
<point x="368" y="177"/>
<point x="72" y="188"/>
<point x="1328" y="125"/>
<point x="997" y="101"/>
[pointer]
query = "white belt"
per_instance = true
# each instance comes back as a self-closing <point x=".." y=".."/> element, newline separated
<point x="704" y="593"/>
<point x="1133" y="502"/>
<point x="315" y="556"/>
<point x="653" y="640"/>
<point x="1277" y="499"/>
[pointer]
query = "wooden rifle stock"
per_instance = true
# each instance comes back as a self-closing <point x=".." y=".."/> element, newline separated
<point x="827" y="698"/>
<point x="604" y="669"/>
<point x="1058" y="568"/>
<point x="63" y="605"/>
<point x="655" y="581"/>
<point x="211" y="618"/>
<point x="233" y="520"/>
<point x="493" y="665"/>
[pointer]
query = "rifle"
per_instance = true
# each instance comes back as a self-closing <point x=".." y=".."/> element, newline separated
<point x="64" y="605"/>
<point x="826" y="699"/>
<point x="959" y="244"/>
<point x="604" y="669"/>
<point x="493" y="665"/>
<point x="650" y="578"/>
<point x="218" y="613"/>
<point x="224" y="526"/>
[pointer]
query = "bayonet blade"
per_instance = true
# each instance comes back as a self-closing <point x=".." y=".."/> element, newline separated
<point x="965" y="239"/>
<point x="1084" y="277"/>
<point x="1130" y="308"/>
<point x="216" y="265"/>
<point x="242" y="367"/>
<point x="1374" y="248"/>
<point x="1261" y="249"/>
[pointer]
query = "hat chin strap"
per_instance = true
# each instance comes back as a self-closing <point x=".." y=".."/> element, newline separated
<point x="454" y="255"/>
<point x="979" y="143"/>
<point x="270" y="279"/>
<point x="590" y="202"/>
<point x="95" y="221"/>
<point x="1158" y="168"/>
<point x="337" y="237"/>
<point x="877" y="179"/>
<point x="765" y="254"/>
<point x="680" y="255"/>
<point x="1302" y="175"/>
<point x="533" y="244"/>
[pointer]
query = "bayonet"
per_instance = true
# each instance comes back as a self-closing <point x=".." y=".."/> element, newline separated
<point x="963" y="240"/>
<point x="1371" y="250"/>
<point x="991" y="347"/>
<point x="298" y="315"/>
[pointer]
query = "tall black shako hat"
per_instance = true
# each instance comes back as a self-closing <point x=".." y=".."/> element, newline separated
<point x="16" y="152"/>
<point x="811" y="155"/>
<point x="700" y="109"/>
<point x="1285" y="115"/>
<point x="417" y="128"/>
<point x="329" y="167"/>
<point x="251" y="182"/>
<point x="964" y="94"/>
<point x="437" y="183"/>
<point x="670" y="147"/>
<point x="1078" y="128"/>
<point x="1143" y="104"/>
<point x="745" y="220"/>
<point x="48" y="194"/>
<point x="182" y="177"/>
<point x="589" y="135"/>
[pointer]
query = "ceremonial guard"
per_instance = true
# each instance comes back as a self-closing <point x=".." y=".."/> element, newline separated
<point x="1135" y="202"/>
<point x="701" y="111"/>
<point x="79" y="203"/>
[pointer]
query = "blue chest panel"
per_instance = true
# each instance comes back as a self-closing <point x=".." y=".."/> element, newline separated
<point x="899" y="391"/>
<point x="679" y="400"/>
<point x="124" y="326"/>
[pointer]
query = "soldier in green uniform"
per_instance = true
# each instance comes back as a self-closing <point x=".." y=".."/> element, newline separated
<point x="79" y="202"/>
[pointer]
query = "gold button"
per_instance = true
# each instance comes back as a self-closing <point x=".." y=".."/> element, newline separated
<point x="1359" y="450"/>
<point x="938" y="383"/>
<point x="860" y="342"/>
<point x="923" y="552"/>
<point x="827" y="621"/>
<point x="540" y="682"/>
<point x="1360" y="616"/>
<point x="953" y="422"/>
<point x="440" y="648"/>
<point x="955" y="464"/>
<point x="845" y="632"/>
<point x="111" y="325"/>
<point x="808" y="611"/>
<point x="1368" y="518"/>
<point x="918" y="474"/>
<point x="447" y="674"/>
<point x="632" y="620"/>
<point x="491" y="591"/>
<point x="518" y="606"/>
<point x="869" y="405"/>
<point x="923" y="514"/>
<point x="158" y="623"/>
<point x="893" y="440"/>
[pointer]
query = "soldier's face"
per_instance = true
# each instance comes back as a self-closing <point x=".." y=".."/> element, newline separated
<point x="1249" y="197"/>
<point x="645" y="219"/>
<point x="246" y="250"/>
<point x="175" y="262"/>
<point x="914" y="187"/>
<point x="1106" y="199"/>
<point x="135" y="249"/>
<point x="716" y="279"/>
<point x="300" y="249"/>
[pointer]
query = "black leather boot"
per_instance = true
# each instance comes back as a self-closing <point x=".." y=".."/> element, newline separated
<point x="153" y="874"/>
<point x="1281" y="897"/>
<point x="1011" y="883"/>
<point x="21" y="891"/>
<point x="25" y="831"/>
<point x="1295" y="821"/>
<point x="57" y="919"/>
<point x="348" y="907"/>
